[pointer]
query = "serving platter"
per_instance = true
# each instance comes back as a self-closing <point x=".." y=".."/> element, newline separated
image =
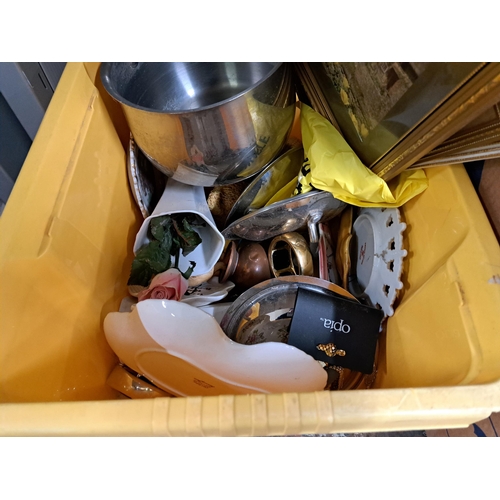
<point x="292" y="214"/>
<point x="267" y="183"/>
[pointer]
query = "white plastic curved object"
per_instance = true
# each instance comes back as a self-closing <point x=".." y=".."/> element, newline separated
<point x="378" y="253"/>
<point x="184" y="351"/>
<point x="182" y="198"/>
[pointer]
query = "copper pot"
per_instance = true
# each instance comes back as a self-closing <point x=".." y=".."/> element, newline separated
<point x="246" y="265"/>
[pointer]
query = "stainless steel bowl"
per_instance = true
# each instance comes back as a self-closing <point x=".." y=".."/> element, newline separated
<point x="205" y="124"/>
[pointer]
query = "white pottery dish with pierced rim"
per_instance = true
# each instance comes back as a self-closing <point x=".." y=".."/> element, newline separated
<point x="377" y="255"/>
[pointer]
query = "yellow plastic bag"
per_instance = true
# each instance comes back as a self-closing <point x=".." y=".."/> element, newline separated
<point x="284" y="193"/>
<point x="331" y="165"/>
<point x="270" y="127"/>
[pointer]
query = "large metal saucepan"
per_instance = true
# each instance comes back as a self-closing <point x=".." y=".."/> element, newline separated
<point x="205" y="124"/>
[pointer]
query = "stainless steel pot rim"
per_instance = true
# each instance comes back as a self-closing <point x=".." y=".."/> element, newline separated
<point x="105" y="66"/>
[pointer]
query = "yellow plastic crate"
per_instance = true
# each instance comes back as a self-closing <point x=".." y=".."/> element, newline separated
<point x="65" y="251"/>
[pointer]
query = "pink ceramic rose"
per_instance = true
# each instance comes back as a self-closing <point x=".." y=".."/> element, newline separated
<point x="169" y="285"/>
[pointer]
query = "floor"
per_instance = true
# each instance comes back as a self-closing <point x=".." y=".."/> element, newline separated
<point x="489" y="427"/>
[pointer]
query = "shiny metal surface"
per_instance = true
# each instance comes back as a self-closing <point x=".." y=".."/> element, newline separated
<point x="123" y="379"/>
<point x="227" y="265"/>
<point x="267" y="309"/>
<point x="285" y="216"/>
<point x="146" y="182"/>
<point x="273" y="298"/>
<point x="252" y="267"/>
<point x="205" y="124"/>
<point x="289" y="255"/>
<point x="245" y="265"/>
<point x="267" y="183"/>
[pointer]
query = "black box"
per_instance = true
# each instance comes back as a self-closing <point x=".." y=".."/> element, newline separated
<point x="335" y="330"/>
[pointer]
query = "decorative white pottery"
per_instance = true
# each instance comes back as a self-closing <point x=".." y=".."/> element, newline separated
<point x="217" y="309"/>
<point x="183" y="198"/>
<point x="183" y="350"/>
<point x="206" y="293"/>
<point x="377" y="254"/>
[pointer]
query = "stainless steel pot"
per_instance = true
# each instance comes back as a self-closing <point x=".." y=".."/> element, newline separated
<point x="205" y="124"/>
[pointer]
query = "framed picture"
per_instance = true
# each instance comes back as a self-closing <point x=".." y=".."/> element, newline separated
<point x="393" y="114"/>
<point x="478" y="140"/>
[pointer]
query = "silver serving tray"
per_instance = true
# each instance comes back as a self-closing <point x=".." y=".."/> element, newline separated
<point x="292" y="214"/>
<point x="266" y="184"/>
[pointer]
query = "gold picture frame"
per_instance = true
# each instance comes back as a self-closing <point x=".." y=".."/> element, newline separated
<point x="394" y="114"/>
<point x="479" y="140"/>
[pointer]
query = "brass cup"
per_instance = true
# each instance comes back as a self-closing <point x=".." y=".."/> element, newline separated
<point x="289" y="255"/>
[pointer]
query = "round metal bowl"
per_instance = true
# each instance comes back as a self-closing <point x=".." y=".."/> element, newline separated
<point x="264" y="312"/>
<point x="205" y="124"/>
